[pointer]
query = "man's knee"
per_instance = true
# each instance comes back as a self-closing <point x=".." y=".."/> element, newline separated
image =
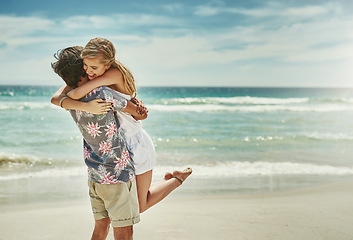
<point x="101" y="228"/>
<point x="102" y="225"/>
<point x="123" y="233"/>
<point x="104" y="222"/>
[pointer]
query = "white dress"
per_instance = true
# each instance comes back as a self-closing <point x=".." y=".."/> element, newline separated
<point x="138" y="141"/>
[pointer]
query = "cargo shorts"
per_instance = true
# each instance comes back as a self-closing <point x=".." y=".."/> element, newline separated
<point x="117" y="201"/>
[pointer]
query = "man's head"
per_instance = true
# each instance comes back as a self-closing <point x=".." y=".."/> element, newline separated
<point x="69" y="65"/>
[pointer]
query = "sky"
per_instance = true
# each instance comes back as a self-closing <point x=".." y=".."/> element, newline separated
<point x="249" y="43"/>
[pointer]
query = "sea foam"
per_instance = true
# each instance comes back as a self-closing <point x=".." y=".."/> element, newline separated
<point x="220" y="170"/>
<point x="249" y="169"/>
<point x="247" y="108"/>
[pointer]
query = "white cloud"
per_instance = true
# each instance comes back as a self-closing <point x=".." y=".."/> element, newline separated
<point x="272" y="10"/>
<point x="21" y="31"/>
<point x="310" y="11"/>
<point x="173" y="7"/>
<point x="87" y="22"/>
<point x="12" y="26"/>
<point x="198" y="55"/>
<point x="120" y="21"/>
<point x="208" y="10"/>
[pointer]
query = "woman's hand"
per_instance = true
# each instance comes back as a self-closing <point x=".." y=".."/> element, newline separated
<point x="98" y="106"/>
<point x="141" y="109"/>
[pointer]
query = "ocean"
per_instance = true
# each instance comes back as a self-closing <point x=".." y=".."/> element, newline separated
<point x="237" y="140"/>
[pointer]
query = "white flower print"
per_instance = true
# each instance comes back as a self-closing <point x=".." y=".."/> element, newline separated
<point x="105" y="147"/>
<point x="93" y="129"/>
<point x="93" y="92"/>
<point x="107" y="179"/>
<point x="122" y="162"/>
<point x="86" y="152"/>
<point x="111" y="130"/>
<point x="79" y="113"/>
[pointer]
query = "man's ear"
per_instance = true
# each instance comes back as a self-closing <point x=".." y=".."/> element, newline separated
<point x="107" y="66"/>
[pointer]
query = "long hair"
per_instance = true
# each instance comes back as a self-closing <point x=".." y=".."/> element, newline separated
<point x="103" y="47"/>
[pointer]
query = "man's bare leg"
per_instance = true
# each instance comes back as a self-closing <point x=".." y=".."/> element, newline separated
<point x="123" y="233"/>
<point x="101" y="229"/>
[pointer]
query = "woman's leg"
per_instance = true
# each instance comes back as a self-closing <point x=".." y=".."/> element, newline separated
<point x="150" y="194"/>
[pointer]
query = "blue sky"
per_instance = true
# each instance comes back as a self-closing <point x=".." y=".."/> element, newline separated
<point x="187" y="42"/>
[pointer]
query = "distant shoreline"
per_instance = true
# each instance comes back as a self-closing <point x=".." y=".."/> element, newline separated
<point x="233" y="87"/>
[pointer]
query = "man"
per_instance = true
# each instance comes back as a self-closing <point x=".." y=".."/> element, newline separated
<point x="112" y="185"/>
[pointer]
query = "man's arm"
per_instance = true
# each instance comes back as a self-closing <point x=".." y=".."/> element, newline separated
<point x="96" y="106"/>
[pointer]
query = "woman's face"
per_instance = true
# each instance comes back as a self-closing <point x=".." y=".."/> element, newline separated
<point x="94" y="68"/>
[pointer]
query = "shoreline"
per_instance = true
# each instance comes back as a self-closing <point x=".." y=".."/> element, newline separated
<point x="33" y="190"/>
<point x="319" y="212"/>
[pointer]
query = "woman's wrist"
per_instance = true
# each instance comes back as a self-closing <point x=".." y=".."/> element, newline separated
<point x="62" y="100"/>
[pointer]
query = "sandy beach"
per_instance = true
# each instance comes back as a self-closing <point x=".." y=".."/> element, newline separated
<point x="322" y="212"/>
<point x="249" y="148"/>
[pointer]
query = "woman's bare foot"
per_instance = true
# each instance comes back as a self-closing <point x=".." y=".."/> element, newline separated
<point x="167" y="176"/>
<point x="182" y="175"/>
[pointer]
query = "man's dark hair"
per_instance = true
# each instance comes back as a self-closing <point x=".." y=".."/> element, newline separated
<point x="69" y="65"/>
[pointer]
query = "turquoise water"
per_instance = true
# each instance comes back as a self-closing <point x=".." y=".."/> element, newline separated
<point x="236" y="139"/>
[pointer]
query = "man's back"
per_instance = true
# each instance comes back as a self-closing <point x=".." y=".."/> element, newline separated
<point x="105" y="153"/>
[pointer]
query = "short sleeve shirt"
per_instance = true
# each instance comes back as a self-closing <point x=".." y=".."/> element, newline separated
<point x="104" y="147"/>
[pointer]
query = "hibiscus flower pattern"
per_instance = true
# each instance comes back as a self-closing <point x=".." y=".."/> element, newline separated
<point x="105" y="153"/>
<point x="112" y="100"/>
<point x="122" y="162"/>
<point x="86" y="153"/>
<point x="105" y="147"/>
<point x="115" y="101"/>
<point x="107" y="179"/>
<point x="111" y="130"/>
<point x="132" y="177"/>
<point x="93" y="129"/>
<point x="93" y="92"/>
<point x="79" y="114"/>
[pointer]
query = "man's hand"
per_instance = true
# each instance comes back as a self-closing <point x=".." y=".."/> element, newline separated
<point x="98" y="106"/>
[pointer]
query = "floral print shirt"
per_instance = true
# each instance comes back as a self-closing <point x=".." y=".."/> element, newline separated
<point x="104" y="149"/>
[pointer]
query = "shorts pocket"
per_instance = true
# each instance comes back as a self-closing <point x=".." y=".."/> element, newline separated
<point x="129" y="185"/>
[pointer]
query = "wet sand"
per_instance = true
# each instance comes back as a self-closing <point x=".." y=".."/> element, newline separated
<point x="322" y="212"/>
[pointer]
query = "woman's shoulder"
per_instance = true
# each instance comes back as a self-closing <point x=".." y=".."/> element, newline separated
<point x="119" y="80"/>
<point x="114" y="72"/>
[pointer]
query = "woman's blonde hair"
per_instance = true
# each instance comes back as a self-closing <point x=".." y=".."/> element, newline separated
<point x="97" y="47"/>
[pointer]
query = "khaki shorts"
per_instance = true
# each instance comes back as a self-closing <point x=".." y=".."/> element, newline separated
<point x="118" y="201"/>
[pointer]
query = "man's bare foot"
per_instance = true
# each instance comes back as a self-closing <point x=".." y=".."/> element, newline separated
<point x="182" y="175"/>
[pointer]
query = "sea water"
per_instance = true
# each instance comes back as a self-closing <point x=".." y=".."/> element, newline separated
<point x="236" y="139"/>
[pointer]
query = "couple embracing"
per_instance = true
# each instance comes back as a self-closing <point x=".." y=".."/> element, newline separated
<point x="100" y="93"/>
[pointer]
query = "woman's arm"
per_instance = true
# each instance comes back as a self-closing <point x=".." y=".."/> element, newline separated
<point x="141" y="109"/>
<point x="60" y="99"/>
<point x="111" y="77"/>
<point x="55" y="99"/>
<point x="97" y="106"/>
<point x="134" y="111"/>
